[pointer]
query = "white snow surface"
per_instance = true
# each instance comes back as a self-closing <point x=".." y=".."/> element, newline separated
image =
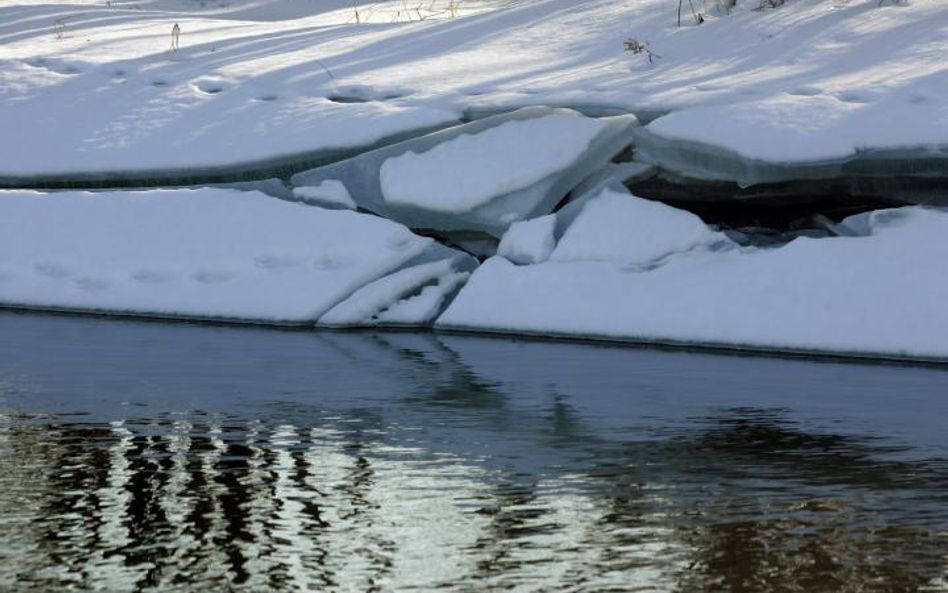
<point x="795" y="127"/>
<point x="208" y="253"/>
<point x="615" y="226"/>
<point x="331" y="193"/>
<point x="469" y="171"/>
<point x="259" y="79"/>
<point x="529" y="241"/>
<point x="365" y="306"/>
<point x="876" y="295"/>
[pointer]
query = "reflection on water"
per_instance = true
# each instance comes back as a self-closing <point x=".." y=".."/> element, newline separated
<point x="143" y="456"/>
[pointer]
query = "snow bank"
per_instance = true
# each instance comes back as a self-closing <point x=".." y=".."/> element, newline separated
<point x="208" y="254"/>
<point x="480" y="176"/>
<point x="881" y="294"/>
<point x="258" y="80"/>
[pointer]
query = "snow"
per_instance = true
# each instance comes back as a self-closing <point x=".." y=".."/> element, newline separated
<point x="415" y="117"/>
<point x="529" y="241"/>
<point x="331" y="193"/>
<point x="471" y="177"/>
<point x="617" y="226"/>
<point x="411" y="296"/>
<point x="208" y="253"/>
<point x="877" y="295"/>
<point x="256" y="80"/>
<point x="472" y="169"/>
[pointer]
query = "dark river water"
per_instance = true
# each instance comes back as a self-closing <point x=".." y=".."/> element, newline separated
<point x="139" y="456"/>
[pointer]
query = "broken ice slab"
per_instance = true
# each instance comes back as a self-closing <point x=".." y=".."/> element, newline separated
<point x="207" y="253"/>
<point x="613" y="225"/>
<point x="331" y="193"/>
<point x="878" y="295"/>
<point x="626" y="172"/>
<point x="412" y="296"/>
<point x="790" y="138"/>
<point x="480" y="176"/>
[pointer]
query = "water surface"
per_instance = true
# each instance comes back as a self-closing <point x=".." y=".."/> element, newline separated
<point x="139" y="456"/>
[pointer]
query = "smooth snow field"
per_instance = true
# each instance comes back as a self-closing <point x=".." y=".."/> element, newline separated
<point x="513" y="166"/>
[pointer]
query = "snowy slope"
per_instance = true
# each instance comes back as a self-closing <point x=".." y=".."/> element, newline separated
<point x="257" y="79"/>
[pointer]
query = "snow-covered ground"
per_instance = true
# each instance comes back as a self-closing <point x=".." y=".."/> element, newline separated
<point x="93" y="86"/>
<point x="205" y="254"/>
<point x="379" y="97"/>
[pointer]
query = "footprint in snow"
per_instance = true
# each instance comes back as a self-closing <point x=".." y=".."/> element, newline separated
<point x="213" y="276"/>
<point x="805" y="91"/>
<point x="398" y="242"/>
<point x="856" y="97"/>
<point x="150" y="276"/>
<point x="208" y="86"/>
<point x="331" y="262"/>
<point x="91" y="283"/>
<point x="51" y="269"/>
<point x="274" y="262"/>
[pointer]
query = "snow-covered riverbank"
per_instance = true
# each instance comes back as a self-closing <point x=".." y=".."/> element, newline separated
<point x="380" y="98"/>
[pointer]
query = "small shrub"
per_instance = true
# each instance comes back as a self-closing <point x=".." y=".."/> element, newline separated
<point x="637" y="47"/>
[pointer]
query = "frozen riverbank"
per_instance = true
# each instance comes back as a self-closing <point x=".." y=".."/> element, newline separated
<point x="777" y="179"/>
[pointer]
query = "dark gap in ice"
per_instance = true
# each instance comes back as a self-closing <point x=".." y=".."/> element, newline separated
<point x="475" y="243"/>
<point x="774" y="214"/>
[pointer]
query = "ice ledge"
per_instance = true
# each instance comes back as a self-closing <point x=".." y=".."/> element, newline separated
<point x="704" y="161"/>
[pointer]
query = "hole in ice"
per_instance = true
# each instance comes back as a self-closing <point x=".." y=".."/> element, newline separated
<point x="150" y="276"/>
<point x="91" y="283"/>
<point x="766" y="215"/>
<point x="213" y="276"/>
<point x="51" y="269"/>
